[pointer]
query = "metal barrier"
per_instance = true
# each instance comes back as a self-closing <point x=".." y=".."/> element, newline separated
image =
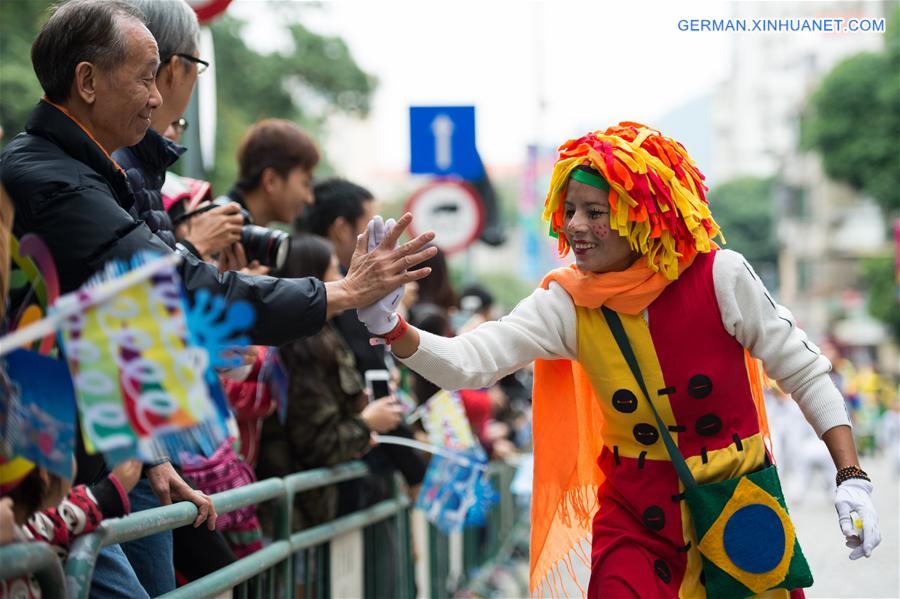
<point x="381" y="533"/>
<point x="461" y="560"/>
<point x="34" y="558"/>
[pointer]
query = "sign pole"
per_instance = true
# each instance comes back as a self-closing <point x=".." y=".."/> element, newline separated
<point x="468" y="273"/>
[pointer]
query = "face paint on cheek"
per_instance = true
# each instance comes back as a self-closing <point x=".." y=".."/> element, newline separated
<point x="601" y="231"/>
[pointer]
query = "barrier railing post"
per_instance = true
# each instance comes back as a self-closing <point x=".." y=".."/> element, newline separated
<point x="284" y="570"/>
<point x="439" y="553"/>
<point x="403" y="555"/>
<point x="80" y="563"/>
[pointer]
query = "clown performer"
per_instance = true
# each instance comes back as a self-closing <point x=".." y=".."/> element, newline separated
<point x="647" y="388"/>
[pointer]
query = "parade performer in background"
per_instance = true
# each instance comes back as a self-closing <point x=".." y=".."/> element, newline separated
<point x="652" y="449"/>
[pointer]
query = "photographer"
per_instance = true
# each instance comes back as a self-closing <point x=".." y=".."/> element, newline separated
<point x="276" y="159"/>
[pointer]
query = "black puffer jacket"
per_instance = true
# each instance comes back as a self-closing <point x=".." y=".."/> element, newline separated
<point x="145" y="164"/>
<point x="67" y="191"/>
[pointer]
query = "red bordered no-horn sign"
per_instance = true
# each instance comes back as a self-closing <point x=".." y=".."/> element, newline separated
<point x="450" y="208"/>
<point x="208" y="9"/>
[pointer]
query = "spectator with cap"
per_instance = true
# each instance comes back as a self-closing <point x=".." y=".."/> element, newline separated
<point x="475" y="306"/>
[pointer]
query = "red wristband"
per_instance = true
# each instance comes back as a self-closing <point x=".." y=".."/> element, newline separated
<point x="397" y="332"/>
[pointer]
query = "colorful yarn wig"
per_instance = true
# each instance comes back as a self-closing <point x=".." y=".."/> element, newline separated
<point x="656" y="194"/>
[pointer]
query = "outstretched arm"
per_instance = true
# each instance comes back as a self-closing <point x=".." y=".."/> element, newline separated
<point x="769" y="331"/>
<point x="541" y="326"/>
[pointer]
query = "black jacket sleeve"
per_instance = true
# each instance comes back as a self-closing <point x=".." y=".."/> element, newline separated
<point x="84" y="228"/>
<point x="285" y="308"/>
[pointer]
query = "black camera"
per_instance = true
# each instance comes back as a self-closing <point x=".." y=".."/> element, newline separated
<point x="268" y="246"/>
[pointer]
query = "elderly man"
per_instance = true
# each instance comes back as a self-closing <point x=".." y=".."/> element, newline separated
<point x="97" y="64"/>
<point x="174" y="26"/>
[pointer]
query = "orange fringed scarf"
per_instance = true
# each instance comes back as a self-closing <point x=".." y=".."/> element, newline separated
<point x="567" y="440"/>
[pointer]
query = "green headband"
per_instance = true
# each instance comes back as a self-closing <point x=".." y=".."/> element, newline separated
<point x="589" y="178"/>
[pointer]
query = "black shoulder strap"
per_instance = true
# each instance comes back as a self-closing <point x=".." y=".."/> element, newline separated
<point x="618" y="332"/>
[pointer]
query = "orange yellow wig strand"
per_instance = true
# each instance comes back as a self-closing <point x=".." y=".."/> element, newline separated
<point x="657" y="194"/>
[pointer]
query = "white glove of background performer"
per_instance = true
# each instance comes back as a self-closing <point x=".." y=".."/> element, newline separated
<point x="855" y="495"/>
<point x="381" y="317"/>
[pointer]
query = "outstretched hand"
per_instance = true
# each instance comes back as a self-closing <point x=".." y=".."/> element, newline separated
<point x="376" y="273"/>
<point x="381" y="316"/>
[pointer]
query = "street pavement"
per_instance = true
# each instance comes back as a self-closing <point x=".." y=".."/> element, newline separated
<point x="820" y="537"/>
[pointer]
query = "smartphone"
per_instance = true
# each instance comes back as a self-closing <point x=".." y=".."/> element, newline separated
<point x="378" y="383"/>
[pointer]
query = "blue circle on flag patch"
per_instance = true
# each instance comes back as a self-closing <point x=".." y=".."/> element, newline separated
<point x="754" y="538"/>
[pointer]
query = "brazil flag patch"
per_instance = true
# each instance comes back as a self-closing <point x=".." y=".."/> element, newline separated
<point x="746" y="537"/>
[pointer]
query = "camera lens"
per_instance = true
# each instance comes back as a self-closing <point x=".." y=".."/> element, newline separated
<point x="269" y="246"/>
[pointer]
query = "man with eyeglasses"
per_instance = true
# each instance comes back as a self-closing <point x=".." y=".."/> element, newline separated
<point x="174" y="26"/>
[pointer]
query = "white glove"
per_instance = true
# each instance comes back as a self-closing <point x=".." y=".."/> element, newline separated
<point x="381" y="317"/>
<point x="855" y="495"/>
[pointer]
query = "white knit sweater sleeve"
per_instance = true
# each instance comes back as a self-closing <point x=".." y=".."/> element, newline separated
<point x="541" y="326"/>
<point x="769" y="331"/>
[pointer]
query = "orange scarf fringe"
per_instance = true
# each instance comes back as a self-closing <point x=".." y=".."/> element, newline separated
<point x="567" y="421"/>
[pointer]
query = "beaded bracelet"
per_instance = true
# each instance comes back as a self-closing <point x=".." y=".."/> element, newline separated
<point x="850" y="472"/>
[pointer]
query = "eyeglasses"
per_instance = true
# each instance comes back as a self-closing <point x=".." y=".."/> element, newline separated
<point x="180" y="126"/>
<point x="202" y="65"/>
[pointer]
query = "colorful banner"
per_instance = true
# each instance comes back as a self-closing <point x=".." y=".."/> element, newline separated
<point x="274" y="374"/>
<point x="140" y="384"/>
<point x="218" y="327"/>
<point x="34" y="285"/>
<point x="456" y="492"/>
<point x="37" y="411"/>
<point x="446" y="423"/>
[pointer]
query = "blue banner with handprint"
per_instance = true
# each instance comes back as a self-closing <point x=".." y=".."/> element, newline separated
<point x="219" y="327"/>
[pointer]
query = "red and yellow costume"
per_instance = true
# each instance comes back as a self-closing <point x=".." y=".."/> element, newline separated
<point x="602" y="473"/>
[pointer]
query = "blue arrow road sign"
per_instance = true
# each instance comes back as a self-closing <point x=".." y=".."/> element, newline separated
<point x="442" y="141"/>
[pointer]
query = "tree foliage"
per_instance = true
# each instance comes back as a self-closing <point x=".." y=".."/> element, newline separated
<point x="743" y="208"/>
<point x="854" y="121"/>
<point x="19" y="89"/>
<point x="315" y="78"/>
<point x="882" y="301"/>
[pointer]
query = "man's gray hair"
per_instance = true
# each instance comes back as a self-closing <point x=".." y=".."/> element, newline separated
<point x="80" y="31"/>
<point x="173" y="23"/>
